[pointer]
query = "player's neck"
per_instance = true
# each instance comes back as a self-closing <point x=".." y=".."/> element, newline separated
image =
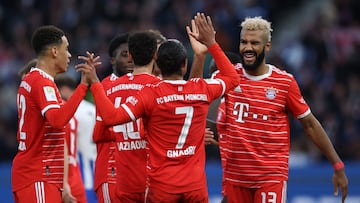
<point x="45" y="66"/>
<point x="173" y="77"/>
<point x="261" y="70"/>
<point x="142" y="69"/>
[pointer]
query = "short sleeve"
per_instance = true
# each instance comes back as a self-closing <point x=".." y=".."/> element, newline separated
<point x="295" y="101"/>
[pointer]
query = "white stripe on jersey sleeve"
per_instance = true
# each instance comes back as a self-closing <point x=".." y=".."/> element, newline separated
<point x="49" y="107"/>
<point x="132" y="116"/>
<point x="304" y="114"/>
<point x="217" y="81"/>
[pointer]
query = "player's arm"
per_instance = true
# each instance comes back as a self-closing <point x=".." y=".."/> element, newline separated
<point x="209" y="137"/>
<point x="200" y="51"/>
<point x="59" y="117"/>
<point x="206" y="35"/>
<point x="101" y="132"/>
<point x="319" y="137"/>
<point x="109" y="114"/>
<point x="312" y="127"/>
<point x="226" y="70"/>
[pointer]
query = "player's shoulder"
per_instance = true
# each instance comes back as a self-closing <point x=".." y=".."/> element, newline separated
<point x="203" y="82"/>
<point x="147" y="78"/>
<point x="196" y="80"/>
<point x="155" y="84"/>
<point x="38" y="78"/>
<point x="278" y="72"/>
<point x="237" y="66"/>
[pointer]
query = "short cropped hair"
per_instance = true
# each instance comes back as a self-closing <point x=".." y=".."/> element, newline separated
<point x="171" y="57"/>
<point x="142" y="47"/>
<point x="116" y="42"/>
<point x="258" y="23"/>
<point x="45" y="36"/>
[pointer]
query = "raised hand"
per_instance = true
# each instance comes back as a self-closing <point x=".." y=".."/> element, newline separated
<point x="88" y="69"/>
<point x="197" y="46"/>
<point x="200" y="50"/>
<point x="204" y="30"/>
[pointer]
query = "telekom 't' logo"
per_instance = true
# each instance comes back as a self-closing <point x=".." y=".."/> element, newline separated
<point x="240" y="109"/>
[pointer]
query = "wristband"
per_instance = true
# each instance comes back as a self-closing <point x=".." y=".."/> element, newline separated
<point x="338" y="165"/>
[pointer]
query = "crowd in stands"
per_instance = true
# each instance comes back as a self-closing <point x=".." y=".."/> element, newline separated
<point x="324" y="57"/>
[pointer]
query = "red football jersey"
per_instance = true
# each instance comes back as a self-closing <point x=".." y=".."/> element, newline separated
<point x="174" y="115"/>
<point x="40" y="154"/>
<point x="257" y="126"/>
<point x="130" y="137"/>
<point x="105" y="169"/>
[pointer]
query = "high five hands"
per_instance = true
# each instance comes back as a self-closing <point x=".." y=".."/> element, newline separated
<point x="202" y="29"/>
<point x="88" y="68"/>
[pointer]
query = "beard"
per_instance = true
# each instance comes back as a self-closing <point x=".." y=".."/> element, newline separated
<point x="256" y="64"/>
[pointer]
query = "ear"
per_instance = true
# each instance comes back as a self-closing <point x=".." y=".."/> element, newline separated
<point x="184" y="68"/>
<point x="112" y="60"/>
<point x="267" y="46"/>
<point x="155" y="56"/>
<point x="53" y="51"/>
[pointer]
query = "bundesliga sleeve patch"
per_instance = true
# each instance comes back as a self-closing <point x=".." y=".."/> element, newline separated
<point x="50" y="93"/>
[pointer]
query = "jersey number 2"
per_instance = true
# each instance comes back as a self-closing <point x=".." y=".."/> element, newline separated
<point x="22" y="108"/>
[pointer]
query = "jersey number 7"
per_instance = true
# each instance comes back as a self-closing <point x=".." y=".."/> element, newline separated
<point x="188" y="111"/>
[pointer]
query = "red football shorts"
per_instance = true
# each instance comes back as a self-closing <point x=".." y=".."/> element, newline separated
<point x="39" y="192"/>
<point x="106" y="193"/>
<point x="126" y="197"/>
<point x="269" y="193"/>
<point x="154" y="195"/>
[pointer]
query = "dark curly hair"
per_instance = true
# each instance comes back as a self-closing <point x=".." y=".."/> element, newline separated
<point x="116" y="42"/>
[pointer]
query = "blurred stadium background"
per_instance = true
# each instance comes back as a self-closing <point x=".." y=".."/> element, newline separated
<point x="317" y="41"/>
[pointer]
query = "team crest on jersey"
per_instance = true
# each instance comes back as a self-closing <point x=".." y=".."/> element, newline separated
<point x="132" y="100"/>
<point x="50" y="93"/>
<point x="270" y="93"/>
